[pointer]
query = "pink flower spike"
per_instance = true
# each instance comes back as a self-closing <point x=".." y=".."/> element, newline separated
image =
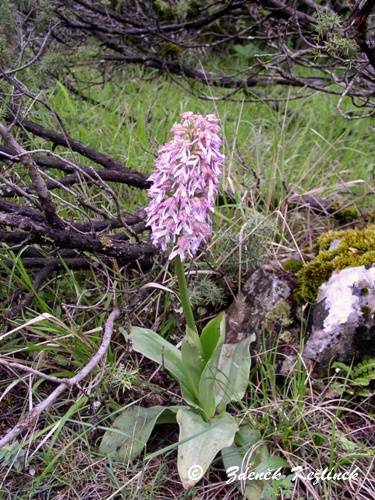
<point x="184" y="184"/>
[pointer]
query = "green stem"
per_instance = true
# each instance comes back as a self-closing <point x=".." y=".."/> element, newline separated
<point x="184" y="294"/>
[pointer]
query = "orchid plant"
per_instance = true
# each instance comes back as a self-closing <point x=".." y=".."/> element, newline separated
<point x="210" y="373"/>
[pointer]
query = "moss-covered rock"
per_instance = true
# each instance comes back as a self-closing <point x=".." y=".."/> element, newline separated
<point x="336" y="250"/>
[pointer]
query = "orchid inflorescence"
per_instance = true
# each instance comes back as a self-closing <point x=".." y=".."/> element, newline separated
<point x="184" y="184"/>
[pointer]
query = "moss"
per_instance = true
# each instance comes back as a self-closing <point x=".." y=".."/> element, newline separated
<point x="351" y="248"/>
<point x="278" y="316"/>
<point x="292" y="265"/>
<point x="347" y="214"/>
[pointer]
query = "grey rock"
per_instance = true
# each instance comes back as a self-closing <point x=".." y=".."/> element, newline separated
<point x="262" y="304"/>
<point x="343" y="325"/>
<point x="334" y="244"/>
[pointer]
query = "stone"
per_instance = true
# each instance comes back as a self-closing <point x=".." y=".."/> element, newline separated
<point x="262" y="305"/>
<point x="343" y="324"/>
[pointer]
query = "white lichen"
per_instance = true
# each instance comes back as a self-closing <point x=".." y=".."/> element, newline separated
<point x="342" y="301"/>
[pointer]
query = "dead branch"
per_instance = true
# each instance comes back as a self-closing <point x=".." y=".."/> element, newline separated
<point x="133" y="177"/>
<point x="37" y="180"/>
<point x="68" y="238"/>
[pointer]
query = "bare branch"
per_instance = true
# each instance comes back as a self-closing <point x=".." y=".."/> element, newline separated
<point x="37" y="180"/>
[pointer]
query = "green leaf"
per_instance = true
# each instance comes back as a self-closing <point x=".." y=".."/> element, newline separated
<point x="207" y="384"/>
<point x="212" y="339"/>
<point x="254" y="489"/>
<point x="346" y="444"/>
<point x="233" y="372"/>
<point x="364" y="381"/>
<point x="154" y="347"/>
<point x="343" y="367"/>
<point x="131" y="430"/>
<point x="193" y="338"/>
<point x="189" y="397"/>
<point x="271" y="463"/>
<point x="237" y="455"/>
<point x="233" y="457"/>
<point x="246" y="437"/>
<point x="193" y="365"/>
<point x="212" y="335"/>
<point x="201" y="441"/>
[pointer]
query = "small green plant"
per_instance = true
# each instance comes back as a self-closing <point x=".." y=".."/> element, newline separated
<point x="329" y="29"/>
<point x="121" y="377"/>
<point x="12" y="456"/>
<point x="246" y="51"/>
<point x="327" y="22"/>
<point x="338" y="45"/>
<point x="281" y="488"/>
<point x="245" y="246"/>
<point x="206" y="292"/>
<point x="176" y="9"/>
<point x="355" y="380"/>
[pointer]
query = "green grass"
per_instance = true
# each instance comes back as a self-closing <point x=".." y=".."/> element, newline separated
<point x="301" y="146"/>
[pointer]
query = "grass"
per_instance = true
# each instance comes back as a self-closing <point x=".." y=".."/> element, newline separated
<point x="298" y="147"/>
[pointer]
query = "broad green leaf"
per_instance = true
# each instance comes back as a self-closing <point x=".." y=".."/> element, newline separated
<point x="193" y="365"/>
<point x="231" y="457"/>
<point x="233" y="372"/>
<point x="207" y="384"/>
<point x="271" y="463"/>
<point x="240" y="455"/>
<point x="154" y="347"/>
<point x="254" y="489"/>
<point x="189" y="397"/>
<point x="131" y="430"/>
<point x="246" y="437"/>
<point x="213" y="335"/>
<point x="201" y="441"/>
<point x="193" y="337"/>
